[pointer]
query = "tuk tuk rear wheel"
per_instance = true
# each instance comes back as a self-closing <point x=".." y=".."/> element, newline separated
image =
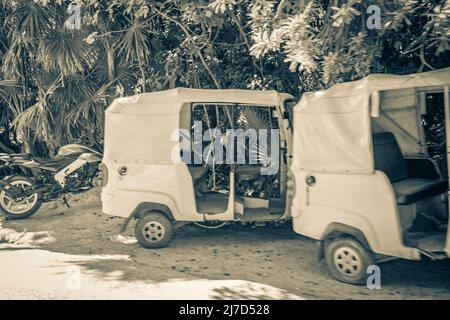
<point x="154" y="230"/>
<point x="347" y="260"/>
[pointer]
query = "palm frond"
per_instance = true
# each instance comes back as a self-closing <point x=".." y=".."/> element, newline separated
<point x="133" y="43"/>
<point x="35" y="121"/>
<point x="66" y="52"/>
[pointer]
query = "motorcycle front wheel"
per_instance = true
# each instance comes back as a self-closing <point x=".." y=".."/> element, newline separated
<point x="20" y="208"/>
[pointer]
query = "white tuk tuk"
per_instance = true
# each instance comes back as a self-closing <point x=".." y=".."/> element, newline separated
<point x="154" y="171"/>
<point x="371" y="171"/>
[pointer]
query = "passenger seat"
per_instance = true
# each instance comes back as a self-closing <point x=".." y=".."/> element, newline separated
<point x="390" y="160"/>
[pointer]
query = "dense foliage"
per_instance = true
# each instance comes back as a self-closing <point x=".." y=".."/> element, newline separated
<point x="58" y="78"/>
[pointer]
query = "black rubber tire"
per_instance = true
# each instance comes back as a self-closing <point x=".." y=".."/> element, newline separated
<point x="364" y="256"/>
<point x="162" y="223"/>
<point x="28" y="213"/>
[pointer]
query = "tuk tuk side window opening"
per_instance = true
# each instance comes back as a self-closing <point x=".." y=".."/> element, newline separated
<point x="211" y="123"/>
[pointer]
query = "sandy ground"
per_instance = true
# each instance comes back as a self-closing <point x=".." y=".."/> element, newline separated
<point x="45" y="275"/>
<point x="271" y="255"/>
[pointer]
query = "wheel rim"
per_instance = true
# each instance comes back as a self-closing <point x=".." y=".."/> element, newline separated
<point x="21" y="205"/>
<point x="347" y="261"/>
<point x="153" y="231"/>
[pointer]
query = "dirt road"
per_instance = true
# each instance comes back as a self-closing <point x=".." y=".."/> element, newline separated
<point x="272" y="255"/>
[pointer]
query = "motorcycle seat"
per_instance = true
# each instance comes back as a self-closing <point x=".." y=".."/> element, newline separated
<point x="53" y="164"/>
<point x="43" y="160"/>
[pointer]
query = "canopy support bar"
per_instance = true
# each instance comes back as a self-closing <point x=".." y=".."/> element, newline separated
<point x="405" y="132"/>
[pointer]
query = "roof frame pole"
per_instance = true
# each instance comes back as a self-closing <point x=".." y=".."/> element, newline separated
<point x="447" y="120"/>
<point x="447" y="135"/>
<point x="421" y="106"/>
<point x="403" y="130"/>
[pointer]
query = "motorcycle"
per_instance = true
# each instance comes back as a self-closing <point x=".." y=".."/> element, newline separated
<point x="72" y="170"/>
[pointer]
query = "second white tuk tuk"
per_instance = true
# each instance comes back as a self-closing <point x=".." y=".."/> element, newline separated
<point x="370" y="163"/>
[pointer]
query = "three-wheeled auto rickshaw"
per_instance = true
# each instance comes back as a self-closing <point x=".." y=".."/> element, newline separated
<point x="191" y="155"/>
<point x="370" y="165"/>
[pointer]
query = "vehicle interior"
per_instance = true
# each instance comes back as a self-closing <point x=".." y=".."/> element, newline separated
<point x="216" y="152"/>
<point x="413" y="155"/>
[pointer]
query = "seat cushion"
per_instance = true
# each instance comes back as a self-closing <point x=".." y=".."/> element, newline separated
<point x="248" y="172"/>
<point x="412" y="190"/>
<point x="388" y="156"/>
<point x="198" y="172"/>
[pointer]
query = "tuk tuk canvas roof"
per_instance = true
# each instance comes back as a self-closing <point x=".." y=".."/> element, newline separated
<point x="145" y="127"/>
<point x="171" y="101"/>
<point x="332" y="128"/>
<point x="369" y="84"/>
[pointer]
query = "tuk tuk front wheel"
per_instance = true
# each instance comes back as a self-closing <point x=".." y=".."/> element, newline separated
<point x="347" y="260"/>
<point x="154" y="230"/>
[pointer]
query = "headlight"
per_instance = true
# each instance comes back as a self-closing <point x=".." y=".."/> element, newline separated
<point x="290" y="184"/>
<point x="102" y="175"/>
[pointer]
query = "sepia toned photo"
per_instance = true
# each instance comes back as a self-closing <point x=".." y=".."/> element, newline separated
<point x="272" y="151"/>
